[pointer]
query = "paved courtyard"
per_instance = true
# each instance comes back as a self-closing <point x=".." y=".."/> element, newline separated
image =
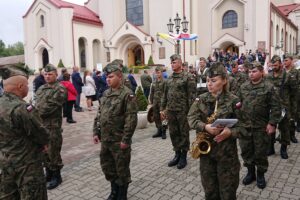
<point x="151" y="177"/>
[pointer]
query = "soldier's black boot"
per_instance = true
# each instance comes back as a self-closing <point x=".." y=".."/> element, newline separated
<point x="122" y="195"/>
<point x="182" y="161"/>
<point x="55" y="180"/>
<point x="48" y="174"/>
<point x="283" y="151"/>
<point x="163" y="133"/>
<point x="250" y="176"/>
<point x="158" y="133"/>
<point x="271" y="150"/>
<point x="298" y="126"/>
<point x="175" y="160"/>
<point x="114" y="191"/>
<point x="294" y="139"/>
<point x="261" y="182"/>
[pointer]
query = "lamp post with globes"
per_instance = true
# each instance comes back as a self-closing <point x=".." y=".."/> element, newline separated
<point x="177" y="21"/>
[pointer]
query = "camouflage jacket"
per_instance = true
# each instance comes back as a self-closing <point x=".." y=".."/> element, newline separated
<point x="179" y="93"/>
<point x="260" y="104"/>
<point x="117" y="116"/>
<point x="233" y="85"/>
<point x="240" y="78"/>
<point x="49" y="101"/>
<point x="156" y="91"/>
<point x="22" y="135"/>
<point x="281" y="87"/>
<point x="204" y="106"/>
<point x="126" y="82"/>
<point x="146" y="80"/>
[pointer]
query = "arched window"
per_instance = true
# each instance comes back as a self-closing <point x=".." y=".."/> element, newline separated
<point x="230" y="19"/>
<point x="42" y="21"/>
<point x="135" y="12"/>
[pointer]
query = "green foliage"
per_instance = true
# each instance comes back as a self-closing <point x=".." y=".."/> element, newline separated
<point x="125" y="69"/>
<point x="11" y="50"/>
<point x="141" y="99"/>
<point x="150" y="61"/>
<point x="136" y="70"/>
<point x="60" y="64"/>
<point x="27" y="69"/>
<point x="138" y="62"/>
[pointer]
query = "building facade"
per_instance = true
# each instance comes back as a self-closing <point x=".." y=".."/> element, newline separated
<point x="103" y="30"/>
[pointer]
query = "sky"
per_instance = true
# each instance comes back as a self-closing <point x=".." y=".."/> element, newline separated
<point x="11" y="21"/>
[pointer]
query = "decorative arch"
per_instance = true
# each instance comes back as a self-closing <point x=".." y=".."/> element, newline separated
<point x="96" y="52"/>
<point x="230" y="19"/>
<point x="45" y="57"/>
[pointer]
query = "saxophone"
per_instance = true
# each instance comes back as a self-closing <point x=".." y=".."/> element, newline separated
<point x="202" y="144"/>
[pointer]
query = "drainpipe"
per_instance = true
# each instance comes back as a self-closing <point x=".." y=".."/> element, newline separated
<point x="183" y="40"/>
<point x="270" y="38"/>
<point x="74" y="61"/>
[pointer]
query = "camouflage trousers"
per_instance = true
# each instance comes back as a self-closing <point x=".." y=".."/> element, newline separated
<point x="115" y="162"/>
<point x="220" y="175"/>
<point x="254" y="148"/>
<point x="26" y="182"/>
<point x="179" y="130"/>
<point x="53" y="159"/>
<point x="156" y="116"/>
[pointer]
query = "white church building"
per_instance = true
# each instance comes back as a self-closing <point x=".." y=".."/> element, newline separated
<point x="104" y="30"/>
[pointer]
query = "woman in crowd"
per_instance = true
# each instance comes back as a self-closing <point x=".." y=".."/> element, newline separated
<point x="220" y="167"/>
<point x="72" y="93"/>
<point x="89" y="89"/>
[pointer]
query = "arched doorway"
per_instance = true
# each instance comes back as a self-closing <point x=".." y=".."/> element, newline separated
<point x="230" y="47"/>
<point x="136" y="55"/>
<point x="45" y="57"/>
<point x="96" y="52"/>
<point x="82" y="43"/>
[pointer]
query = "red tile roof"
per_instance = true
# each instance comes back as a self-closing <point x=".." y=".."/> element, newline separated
<point x="80" y="13"/>
<point x="286" y="9"/>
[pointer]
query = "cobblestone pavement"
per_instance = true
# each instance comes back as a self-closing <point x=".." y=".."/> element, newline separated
<point x="151" y="177"/>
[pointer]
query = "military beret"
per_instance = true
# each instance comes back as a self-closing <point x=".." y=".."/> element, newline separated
<point x="256" y="64"/>
<point x="117" y="62"/>
<point x="175" y="57"/>
<point x="247" y="64"/>
<point x="216" y="69"/>
<point x="110" y="67"/>
<point x="8" y="71"/>
<point x="50" y="68"/>
<point x="275" y="58"/>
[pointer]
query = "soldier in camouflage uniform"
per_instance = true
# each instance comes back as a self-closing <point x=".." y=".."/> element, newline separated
<point x="156" y="91"/>
<point x="294" y="78"/>
<point x="282" y="84"/>
<point x="125" y="79"/>
<point x="220" y="167"/>
<point x="114" y="126"/>
<point x="176" y="101"/>
<point x="261" y="113"/>
<point x="22" y="140"/>
<point x="239" y="77"/>
<point x="49" y="101"/>
<point x="146" y="81"/>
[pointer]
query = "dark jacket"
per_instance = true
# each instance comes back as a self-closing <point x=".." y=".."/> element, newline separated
<point x="38" y="82"/>
<point x="77" y="82"/>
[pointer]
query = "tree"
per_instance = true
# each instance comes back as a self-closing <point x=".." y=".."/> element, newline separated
<point x="141" y="99"/>
<point x="11" y="50"/>
<point x="150" y="61"/>
<point x="60" y="64"/>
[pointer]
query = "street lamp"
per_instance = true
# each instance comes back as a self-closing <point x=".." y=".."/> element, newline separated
<point x="177" y="21"/>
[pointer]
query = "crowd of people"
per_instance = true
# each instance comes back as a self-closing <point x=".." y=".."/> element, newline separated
<point x="223" y="86"/>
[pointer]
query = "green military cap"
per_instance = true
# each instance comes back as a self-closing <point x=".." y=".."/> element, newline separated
<point x="256" y="64"/>
<point x="247" y="64"/>
<point x="50" y="68"/>
<point x="110" y="67"/>
<point x="175" y="57"/>
<point x="275" y="58"/>
<point x="290" y="56"/>
<point x="216" y="69"/>
<point x="158" y="68"/>
<point x="117" y="62"/>
<point x="8" y="71"/>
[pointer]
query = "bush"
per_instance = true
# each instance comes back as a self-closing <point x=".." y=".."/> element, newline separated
<point x="141" y="99"/>
<point x="136" y="70"/>
<point x="150" y="61"/>
<point x="125" y="69"/>
<point x="60" y="64"/>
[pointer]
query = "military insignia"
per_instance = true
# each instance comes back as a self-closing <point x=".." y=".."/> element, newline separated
<point x="132" y="97"/>
<point x="238" y="105"/>
<point x="29" y="108"/>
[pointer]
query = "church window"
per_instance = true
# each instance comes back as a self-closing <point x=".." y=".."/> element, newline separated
<point x="134" y="12"/>
<point x="42" y="21"/>
<point x="230" y="19"/>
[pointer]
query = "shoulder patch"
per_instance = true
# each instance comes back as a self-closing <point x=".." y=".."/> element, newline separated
<point x="132" y="97"/>
<point x="29" y="108"/>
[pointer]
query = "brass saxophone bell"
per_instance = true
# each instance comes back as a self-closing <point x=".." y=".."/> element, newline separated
<point x="204" y="146"/>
